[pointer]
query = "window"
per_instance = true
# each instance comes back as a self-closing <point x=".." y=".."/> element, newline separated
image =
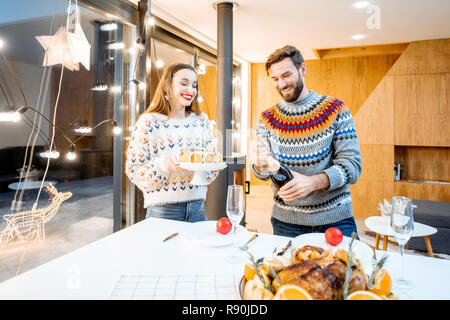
<point x="85" y="105"/>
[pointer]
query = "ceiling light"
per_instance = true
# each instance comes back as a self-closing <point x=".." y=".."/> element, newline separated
<point x="159" y="63"/>
<point x="100" y="87"/>
<point x="361" y="4"/>
<point x="358" y="36"/>
<point x="83" y="130"/>
<point x="108" y="27"/>
<point x="235" y="4"/>
<point x="49" y="154"/>
<point x="115" y="46"/>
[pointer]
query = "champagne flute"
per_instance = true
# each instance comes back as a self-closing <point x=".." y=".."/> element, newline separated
<point x="235" y="205"/>
<point x="402" y="224"/>
<point x="235" y="212"/>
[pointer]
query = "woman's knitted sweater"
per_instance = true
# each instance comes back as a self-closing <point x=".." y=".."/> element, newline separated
<point x="156" y="136"/>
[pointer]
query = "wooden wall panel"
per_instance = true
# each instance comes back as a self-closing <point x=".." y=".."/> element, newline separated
<point x="350" y="79"/>
<point x="374" y="121"/>
<point x="366" y="194"/>
<point x="422" y="111"/>
<point x="429" y="56"/>
<point x="377" y="162"/>
<point x="422" y="191"/>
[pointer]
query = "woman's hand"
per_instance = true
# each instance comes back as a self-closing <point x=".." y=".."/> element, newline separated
<point x="172" y="164"/>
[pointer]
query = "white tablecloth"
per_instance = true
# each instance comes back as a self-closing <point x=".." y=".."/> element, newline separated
<point x="94" y="271"/>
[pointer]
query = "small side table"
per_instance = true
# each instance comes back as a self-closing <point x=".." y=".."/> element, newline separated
<point x="29" y="185"/>
<point x="381" y="226"/>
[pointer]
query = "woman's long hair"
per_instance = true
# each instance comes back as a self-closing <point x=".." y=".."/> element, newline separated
<point x="160" y="103"/>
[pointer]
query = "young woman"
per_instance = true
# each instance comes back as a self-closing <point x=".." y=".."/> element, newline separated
<point x="172" y="122"/>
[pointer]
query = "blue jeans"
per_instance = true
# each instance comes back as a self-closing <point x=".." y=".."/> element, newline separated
<point x="190" y="211"/>
<point x="280" y="228"/>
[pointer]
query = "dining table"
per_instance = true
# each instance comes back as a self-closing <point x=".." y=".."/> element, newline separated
<point x="135" y="263"/>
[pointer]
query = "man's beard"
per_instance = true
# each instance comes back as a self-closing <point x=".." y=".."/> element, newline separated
<point x="298" y="87"/>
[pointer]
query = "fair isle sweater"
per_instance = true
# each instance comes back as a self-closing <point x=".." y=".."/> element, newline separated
<point x="155" y="136"/>
<point x="310" y="136"/>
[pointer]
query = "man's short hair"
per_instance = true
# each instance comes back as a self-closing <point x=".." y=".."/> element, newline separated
<point x="282" y="53"/>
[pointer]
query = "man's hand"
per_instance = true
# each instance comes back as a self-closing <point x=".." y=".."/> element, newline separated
<point x="260" y="153"/>
<point x="301" y="186"/>
<point x="171" y="163"/>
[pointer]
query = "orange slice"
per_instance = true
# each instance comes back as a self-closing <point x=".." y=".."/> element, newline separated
<point x="249" y="272"/>
<point x="383" y="284"/>
<point x="292" y="292"/>
<point x="363" y="295"/>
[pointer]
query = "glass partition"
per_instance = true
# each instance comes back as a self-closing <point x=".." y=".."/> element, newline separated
<point x="68" y="131"/>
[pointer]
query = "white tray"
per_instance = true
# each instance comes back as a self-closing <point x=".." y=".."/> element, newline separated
<point x="200" y="170"/>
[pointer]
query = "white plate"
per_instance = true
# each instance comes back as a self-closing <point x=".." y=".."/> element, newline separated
<point x="205" y="234"/>
<point x="200" y="169"/>
<point x="361" y="250"/>
<point x="202" y="166"/>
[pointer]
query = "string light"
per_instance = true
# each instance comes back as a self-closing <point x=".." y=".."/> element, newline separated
<point x="200" y="99"/>
<point x="159" y="63"/>
<point x="116" y="130"/>
<point x="201" y="69"/>
<point x="9" y="117"/>
<point x="151" y="21"/>
<point x="361" y="4"/>
<point x="71" y="155"/>
<point x="358" y="36"/>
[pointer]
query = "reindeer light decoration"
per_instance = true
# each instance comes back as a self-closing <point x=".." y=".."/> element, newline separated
<point x="27" y="228"/>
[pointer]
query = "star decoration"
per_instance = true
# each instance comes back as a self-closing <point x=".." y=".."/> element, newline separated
<point x="79" y="46"/>
<point x="66" y="48"/>
<point x="57" y="50"/>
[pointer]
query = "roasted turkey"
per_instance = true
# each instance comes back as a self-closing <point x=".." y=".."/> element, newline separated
<point x="322" y="277"/>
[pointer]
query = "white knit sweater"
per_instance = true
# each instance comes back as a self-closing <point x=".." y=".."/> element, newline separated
<point x="156" y="136"/>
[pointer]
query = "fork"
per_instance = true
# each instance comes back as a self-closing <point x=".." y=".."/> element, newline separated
<point x="245" y="246"/>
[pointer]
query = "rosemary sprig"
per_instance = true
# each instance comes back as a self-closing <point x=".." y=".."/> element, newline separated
<point x="268" y="286"/>
<point x="274" y="275"/>
<point x="348" y="268"/>
<point x="371" y="283"/>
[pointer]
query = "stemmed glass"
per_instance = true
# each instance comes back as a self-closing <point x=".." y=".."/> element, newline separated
<point x="235" y="212"/>
<point x="402" y="224"/>
<point x="235" y="205"/>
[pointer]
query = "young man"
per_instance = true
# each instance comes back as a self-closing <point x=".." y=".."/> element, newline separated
<point x="314" y="136"/>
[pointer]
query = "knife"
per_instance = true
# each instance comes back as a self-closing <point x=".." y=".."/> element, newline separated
<point x="170" y="237"/>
